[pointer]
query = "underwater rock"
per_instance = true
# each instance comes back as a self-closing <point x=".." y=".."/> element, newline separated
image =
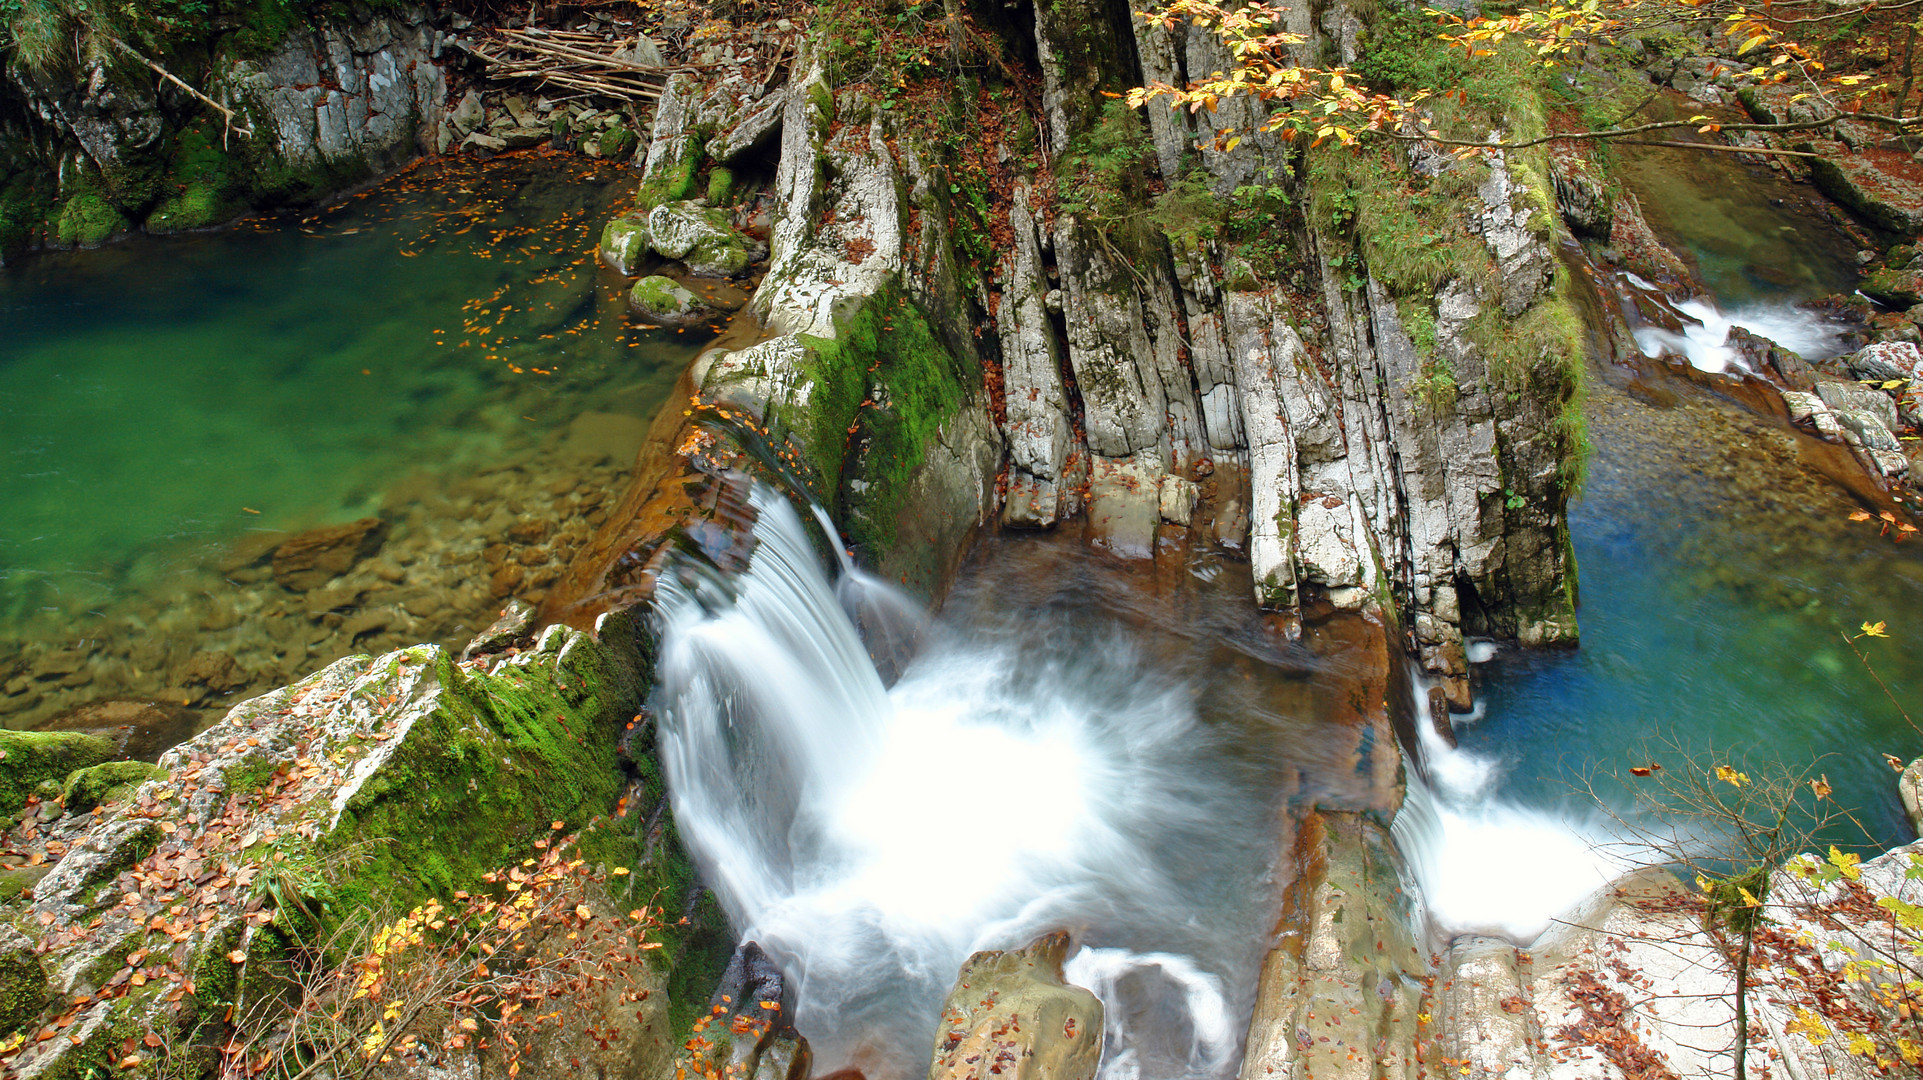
<point x="142" y="730"/>
<point x="1012" y="1016"/>
<point x="313" y="558"/>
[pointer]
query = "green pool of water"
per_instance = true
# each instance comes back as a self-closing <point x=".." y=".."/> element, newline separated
<point x="161" y="398"/>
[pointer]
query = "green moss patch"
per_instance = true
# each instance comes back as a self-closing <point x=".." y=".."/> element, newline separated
<point x="109" y="781"/>
<point x="31" y="757"/>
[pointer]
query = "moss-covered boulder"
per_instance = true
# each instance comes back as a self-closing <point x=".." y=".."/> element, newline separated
<point x="27" y="758"/>
<point x="369" y="787"/>
<point x="87" y="220"/>
<point x="109" y="781"/>
<point x="663" y="301"/>
<point x="624" y="243"/>
<point x="1894" y="288"/>
<point x="701" y="237"/>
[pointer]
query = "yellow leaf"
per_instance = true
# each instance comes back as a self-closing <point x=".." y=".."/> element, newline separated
<point x="582" y="911"/>
<point x="1809" y="1025"/>
<point x="1730" y="776"/>
<point x="1874" y="630"/>
<point x="468" y="1024"/>
<point x="1752" y="43"/>
<point x="1821" y="786"/>
<point x="1846" y="863"/>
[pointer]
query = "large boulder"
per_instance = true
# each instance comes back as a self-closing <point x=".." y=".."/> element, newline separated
<point x="624" y="243"/>
<point x="1012" y="1017"/>
<point x="318" y="556"/>
<point x="370" y="786"/>
<point x="702" y="238"/>
<point x="664" y="301"/>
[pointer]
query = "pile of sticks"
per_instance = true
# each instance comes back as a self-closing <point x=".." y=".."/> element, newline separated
<point x="569" y="60"/>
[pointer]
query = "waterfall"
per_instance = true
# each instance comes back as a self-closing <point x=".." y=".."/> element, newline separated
<point x="1017" y="778"/>
<point x="1487" y="865"/>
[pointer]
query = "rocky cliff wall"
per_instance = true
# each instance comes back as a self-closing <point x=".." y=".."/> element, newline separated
<point x="111" y="147"/>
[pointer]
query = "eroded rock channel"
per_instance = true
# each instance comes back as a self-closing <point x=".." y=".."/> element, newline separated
<point x="820" y="542"/>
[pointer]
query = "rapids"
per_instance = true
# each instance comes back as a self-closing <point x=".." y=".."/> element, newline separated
<point x="1040" y="764"/>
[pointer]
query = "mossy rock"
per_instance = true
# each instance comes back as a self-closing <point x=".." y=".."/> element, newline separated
<point x="720" y="186"/>
<point x="201" y="206"/>
<point x="23" y="982"/>
<point x="624" y="243"/>
<point x="703" y="238"/>
<point x="664" y="301"/>
<point x="618" y="143"/>
<point x="87" y="220"/>
<point x="1898" y="289"/>
<point x="107" y="782"/>
<point x="28" y="758"/>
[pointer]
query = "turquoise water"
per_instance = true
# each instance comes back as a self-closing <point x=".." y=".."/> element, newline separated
<point x="163" y="397"/>
<point x="1717" y="578"/>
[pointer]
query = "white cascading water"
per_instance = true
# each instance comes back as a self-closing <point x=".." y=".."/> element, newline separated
<point x="870" y="838"/>
<point x="1486" y="865"/>
<point x="1706" y="327"/>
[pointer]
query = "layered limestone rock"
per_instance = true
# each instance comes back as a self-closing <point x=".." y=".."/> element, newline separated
<point x="871" y="366"/>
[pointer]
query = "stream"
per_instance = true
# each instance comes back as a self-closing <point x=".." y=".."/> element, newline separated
<point x="1123" y="749"/>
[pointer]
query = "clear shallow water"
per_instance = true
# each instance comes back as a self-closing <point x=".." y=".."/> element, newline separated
<point x="161" y="398"/>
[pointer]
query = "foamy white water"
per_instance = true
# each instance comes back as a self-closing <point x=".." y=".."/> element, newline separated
<point x="1706" y="329"/>
<point x="1487" y="865"/>
<point x="870" y="839"/>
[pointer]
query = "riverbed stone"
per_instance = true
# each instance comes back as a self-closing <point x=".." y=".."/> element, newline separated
<point x="315" y="557"/>
<point x="1885" y="361"/>
<point x="1011" y="1016"/>
<point x="663" y="301"/>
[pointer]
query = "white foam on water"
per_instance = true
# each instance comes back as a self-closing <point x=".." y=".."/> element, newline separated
<point x="871" y="838"/>
<point x="1488" y="865"/>
<point x="1706" y="329"/>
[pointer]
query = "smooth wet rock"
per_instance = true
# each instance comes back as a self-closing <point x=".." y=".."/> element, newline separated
<point x="1894" y="288"/>
<point x="624" y="243"/>
<point x="513" y="629"/>
<point x="1125" y="505"/>
<point x="663" y="301"/>
<point x="1177" y="499"/>
<point x="217" y="671"/>
<point x="1011" y="1016"/>
<point x="1909" y="787"/>
<point x="138" y="728"/>
<point x="313" y="558"/>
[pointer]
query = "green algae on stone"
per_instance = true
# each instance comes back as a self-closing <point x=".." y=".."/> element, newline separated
<point x="28" y="758"/>
<point x="664" y="301"/>
<point x="624" y="242"/>
<point x="23" y="982"/>
<point x="87" y="220"/>
<point x="109" y="781"/>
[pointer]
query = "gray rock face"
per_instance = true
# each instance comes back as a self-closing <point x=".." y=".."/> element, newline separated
<point x="700" y="237"/>
<point x="1841" y="396"/>
<point x="344" y="92"/>
<point x="1040" y="437"/>
<point x="624" y="244"/>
